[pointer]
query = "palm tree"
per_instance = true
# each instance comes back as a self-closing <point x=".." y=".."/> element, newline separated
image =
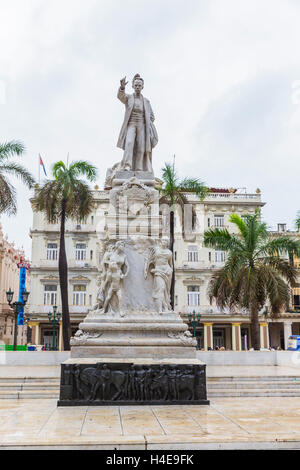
<point x="8" y="203"/>
<point x="255" y="271"/>
<point x="66" y="196"/>
<point x="172" y="192"/>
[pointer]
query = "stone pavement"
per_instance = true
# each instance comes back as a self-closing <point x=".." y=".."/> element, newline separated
<point x="228" y="423"/>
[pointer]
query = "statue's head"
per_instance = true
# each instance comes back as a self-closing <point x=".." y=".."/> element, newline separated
<point x="119" y="246"/>
<point x="137" y="83"/>
<point x="165" y="242"/>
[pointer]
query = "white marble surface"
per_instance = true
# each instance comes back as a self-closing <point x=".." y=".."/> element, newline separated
<point x="235" y="423"/>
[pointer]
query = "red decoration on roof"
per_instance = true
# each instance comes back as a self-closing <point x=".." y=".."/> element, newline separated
<point x="223" y="190"/>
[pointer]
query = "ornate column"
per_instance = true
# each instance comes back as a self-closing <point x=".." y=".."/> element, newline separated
<point x="287" y="325"/>
<point x="208" y="336"/>
<point x="36" y="331"/>
<point x="236" y="337"/>
<point x="264" y="335"/>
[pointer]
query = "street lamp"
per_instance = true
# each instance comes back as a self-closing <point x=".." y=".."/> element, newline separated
<point x="16" y="306"/>
<point x="54" y="318"/>
<point x="194" y="321"/>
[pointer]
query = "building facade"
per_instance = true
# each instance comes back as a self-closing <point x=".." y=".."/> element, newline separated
<point x="9" y="279"/>
<point x="194" y="265"/>
<point x="82" y="248"/>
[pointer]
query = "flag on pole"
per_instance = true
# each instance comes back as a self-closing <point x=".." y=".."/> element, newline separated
<point x="42" y="163"/>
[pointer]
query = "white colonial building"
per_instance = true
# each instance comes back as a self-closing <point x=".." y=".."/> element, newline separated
<point x="82" y="249"/>
<point x="194" y="267"/>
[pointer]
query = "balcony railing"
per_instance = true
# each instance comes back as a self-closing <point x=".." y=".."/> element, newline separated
<point x="199" y="265"/>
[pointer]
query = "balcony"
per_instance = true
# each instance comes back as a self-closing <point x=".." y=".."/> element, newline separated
<point x="237" y="197"/>
<point x="45" y="309"/>
<point x="199" y="265"/>
<point x="46" y="263"/>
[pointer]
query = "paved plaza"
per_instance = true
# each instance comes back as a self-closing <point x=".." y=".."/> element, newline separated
<point x="232" y="423"/>
<point x="228" y="423"/>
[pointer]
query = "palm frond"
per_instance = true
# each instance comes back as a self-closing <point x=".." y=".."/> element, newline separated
<point x="83" y="168"/>
<point x="283" y="267"/>
<point x="58" y="169"/>
<point x="8" y="200"/>
<point x="10" y="149"/>
<point x="221" y="239"/>
<point x="281" y="245"/>
<point x="83" y="201"/>
<point x="169" y="176"/>
<point x="19" y="171"/>
<point x="196" y="186"/>
<point x="48" y="199"/>
<point x="241" y="225"/>
<point x="297" y="221"/>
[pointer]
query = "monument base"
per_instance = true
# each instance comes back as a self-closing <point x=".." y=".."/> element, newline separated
<point x="156" y="352"/>
<point x="143" y="381"/>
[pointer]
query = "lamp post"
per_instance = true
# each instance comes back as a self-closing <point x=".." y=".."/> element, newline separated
<point x="194" y="321"/>
<point x="16" y="306"/>
<point x="54" y="319"/>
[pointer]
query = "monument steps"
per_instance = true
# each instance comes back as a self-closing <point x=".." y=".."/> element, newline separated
<point x="15" y="388"/>
<point x="264" y="378"/>
<point x="283" y="386"/>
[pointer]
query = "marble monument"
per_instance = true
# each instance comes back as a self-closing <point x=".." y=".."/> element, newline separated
<point x="132" y="340"/>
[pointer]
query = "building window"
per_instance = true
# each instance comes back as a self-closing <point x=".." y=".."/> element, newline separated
<point x="208" y="222"/>
<point x="91" y="255"/>
<point x="193" y="296"/>
<point x="281" y="227"/>
<point x="219" y="221"/>
<point x="52" y="251"/>
<point x="50" y="294"/>
<point x="79" y="295"/>
<point x="80" y="252"/>
<point x="193" y="253"/>
<point x="220" y="256"/>
<point x="81" y="221"/>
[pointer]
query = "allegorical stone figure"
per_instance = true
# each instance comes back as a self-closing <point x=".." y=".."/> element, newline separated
<point x="116" y="269"/>
<point x="160" y="264"/>
<point x="138" y="135"/>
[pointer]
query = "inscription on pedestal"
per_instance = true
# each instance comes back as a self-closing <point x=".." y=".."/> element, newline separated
<point x="128" y="383"/>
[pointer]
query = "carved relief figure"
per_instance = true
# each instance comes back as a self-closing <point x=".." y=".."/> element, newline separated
<point x="159" y="262"/>
<point x="138" y="135"/>
<point x="186" y="382"/>
<point x="159" y="386"/>
<point x="131" y="383"/>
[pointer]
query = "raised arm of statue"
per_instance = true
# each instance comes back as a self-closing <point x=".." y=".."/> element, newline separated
<point x="121" y="91"/>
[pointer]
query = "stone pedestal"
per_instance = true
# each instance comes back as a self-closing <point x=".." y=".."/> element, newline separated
<point x="132" y="349"/>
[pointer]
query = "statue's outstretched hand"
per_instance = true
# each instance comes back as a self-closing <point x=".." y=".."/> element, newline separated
<point x="123" y="83"/>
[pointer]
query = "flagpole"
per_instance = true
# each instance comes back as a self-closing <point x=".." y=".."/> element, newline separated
<point x="39" y="169"/>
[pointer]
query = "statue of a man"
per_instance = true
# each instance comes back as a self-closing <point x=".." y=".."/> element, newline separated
<point x="138" y="135"/>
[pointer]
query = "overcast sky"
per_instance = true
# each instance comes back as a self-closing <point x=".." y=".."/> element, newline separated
<point x="223" y="78"/>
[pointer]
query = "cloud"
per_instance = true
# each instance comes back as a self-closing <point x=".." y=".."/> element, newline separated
<point x="219" y="76"/>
